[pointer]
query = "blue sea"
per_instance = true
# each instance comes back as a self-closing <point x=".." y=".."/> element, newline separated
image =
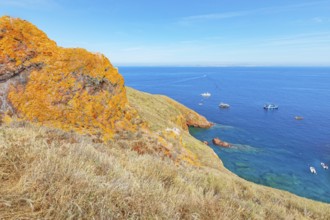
<point x="269" y="147"/>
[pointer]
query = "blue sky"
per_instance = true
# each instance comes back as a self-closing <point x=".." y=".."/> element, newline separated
<point x="187" y="33"/>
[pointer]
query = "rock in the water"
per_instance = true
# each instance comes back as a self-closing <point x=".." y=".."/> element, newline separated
<point x="218" y="142"/>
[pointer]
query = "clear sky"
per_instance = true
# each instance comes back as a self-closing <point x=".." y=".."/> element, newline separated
<point x="187" y="32"/>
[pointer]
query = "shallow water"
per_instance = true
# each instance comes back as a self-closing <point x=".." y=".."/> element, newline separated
<point x="270" y="147"/>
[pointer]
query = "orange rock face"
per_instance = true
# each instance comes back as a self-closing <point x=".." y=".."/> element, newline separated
<point x="71" y="89"/>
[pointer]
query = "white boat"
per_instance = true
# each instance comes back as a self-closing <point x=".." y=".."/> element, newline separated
<point x="200" y="103"/>
<point x="224" y="105"/>
<point x="313" y="170"/>
<point x="270" y="106"/>
<point x="206" y="94"/>
<point x="324" y="166"/>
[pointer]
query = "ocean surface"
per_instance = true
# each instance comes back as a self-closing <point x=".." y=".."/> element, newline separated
<point x="270" y="147"/>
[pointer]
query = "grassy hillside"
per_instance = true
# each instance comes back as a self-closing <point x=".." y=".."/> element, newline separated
<point x="48" y="173"/>
<point x="162" y="113"/>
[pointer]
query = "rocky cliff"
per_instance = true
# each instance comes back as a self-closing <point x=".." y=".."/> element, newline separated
<point x="71" y="89"/>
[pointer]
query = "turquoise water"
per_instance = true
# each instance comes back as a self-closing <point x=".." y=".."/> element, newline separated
<point x="270" y="147"/>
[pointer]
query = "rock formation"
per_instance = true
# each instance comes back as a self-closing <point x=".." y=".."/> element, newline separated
<point x="218" y="142"/>
<point x="71" y="89"/>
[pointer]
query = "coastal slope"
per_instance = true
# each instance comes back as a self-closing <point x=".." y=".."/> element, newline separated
<point x="170" y="119"/>
<point x="75" y="143"/>
<point x="50" y="173"/>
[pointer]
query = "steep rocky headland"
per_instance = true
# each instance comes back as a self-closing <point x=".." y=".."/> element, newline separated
<point x="76" y="143"/>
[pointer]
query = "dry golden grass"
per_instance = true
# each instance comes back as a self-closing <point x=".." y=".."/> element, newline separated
<point x="49" y="174"/>
<point x="161" y="113"/>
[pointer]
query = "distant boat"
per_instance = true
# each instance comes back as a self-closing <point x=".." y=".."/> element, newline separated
<point x="270" y="106"/>
<point x="324" y="166"/>
<point x="224" y="105"/>
<point x="200" y="103"/>
<point x="206" y="94"/>
<point x="312" y="169"/>
<point x="298" y="118"/>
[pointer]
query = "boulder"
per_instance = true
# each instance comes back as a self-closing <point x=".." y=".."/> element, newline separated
<point x="70" y="89"/>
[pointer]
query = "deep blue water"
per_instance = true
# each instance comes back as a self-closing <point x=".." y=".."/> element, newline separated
<point x="270" y="147"/>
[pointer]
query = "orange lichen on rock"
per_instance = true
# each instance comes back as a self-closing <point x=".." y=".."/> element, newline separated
<point x="71" y="89"/>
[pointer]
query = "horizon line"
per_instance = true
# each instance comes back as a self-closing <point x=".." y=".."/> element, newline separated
<point x="246" y="66"/>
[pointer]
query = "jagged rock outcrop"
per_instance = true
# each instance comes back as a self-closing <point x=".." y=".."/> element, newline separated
<point x="71" y="89"/>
